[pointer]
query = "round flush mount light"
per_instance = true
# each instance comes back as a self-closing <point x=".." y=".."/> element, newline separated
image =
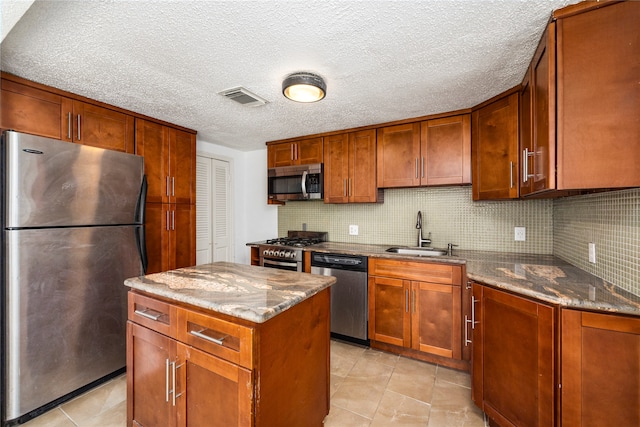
<point x="304" y="87"/>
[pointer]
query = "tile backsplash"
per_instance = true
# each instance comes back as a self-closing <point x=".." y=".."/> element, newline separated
<point x="562" y="227"/>
<point x="611" y="220"/>
<point x="447" y="212"/>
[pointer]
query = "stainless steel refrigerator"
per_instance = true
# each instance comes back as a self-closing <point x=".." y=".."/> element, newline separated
<point x="72" y="231"/>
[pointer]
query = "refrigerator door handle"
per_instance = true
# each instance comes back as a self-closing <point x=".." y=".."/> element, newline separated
<point x="140" y="219"/>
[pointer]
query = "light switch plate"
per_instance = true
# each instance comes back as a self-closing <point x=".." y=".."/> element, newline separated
<point x="353" y="230"/>
<point x="520" y="234"/>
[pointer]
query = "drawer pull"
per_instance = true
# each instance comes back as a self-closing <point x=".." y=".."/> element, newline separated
<point x="149" y="314"/>
<point x="199" y="334"/>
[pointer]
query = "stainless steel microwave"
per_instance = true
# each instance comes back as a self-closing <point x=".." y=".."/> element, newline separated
<point x="300" y="182"/>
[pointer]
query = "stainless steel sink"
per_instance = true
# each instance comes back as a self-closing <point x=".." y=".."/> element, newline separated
<point x="416" y="251"/>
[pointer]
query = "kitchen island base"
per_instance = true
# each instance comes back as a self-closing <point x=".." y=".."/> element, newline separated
<point x="188" y="366"/>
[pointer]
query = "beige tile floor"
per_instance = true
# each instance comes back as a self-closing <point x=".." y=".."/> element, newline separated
<point x="368" y="388"/>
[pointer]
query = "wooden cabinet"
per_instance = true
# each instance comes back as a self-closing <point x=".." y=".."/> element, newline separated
<point x="350" y="168"/>
<point x="168" y="380"/>
<point x="495" y="149"/>
<point x="190" y="367"/>
<point x="416" y="305"/>
<point x="434" y="152"/>
<point x="514" y="354"/>
<point x="600" y="368"/>
<point x="538" y="147"/>
<point x="170" y="236"/>
<point x="446" y="151"/>
<point x="33" y="110"/>
<point x="169" y="162"/>
<point x="584" y="100"/>
<point x="598" y="96"/>
<point x="301" y="152"/>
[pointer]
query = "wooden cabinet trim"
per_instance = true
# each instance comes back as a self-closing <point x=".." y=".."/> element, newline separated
<point x="166" y="313"/>
<point x="415" y="270"/>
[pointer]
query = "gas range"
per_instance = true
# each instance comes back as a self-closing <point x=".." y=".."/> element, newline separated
<point x="286" y="252"/>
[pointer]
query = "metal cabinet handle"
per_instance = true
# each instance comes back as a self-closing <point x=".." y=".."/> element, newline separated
<point x="174" y="395"/>
<point x="173" y="220"/>
<point x="467" y="341"/>
<point x="525" y="165"/>
<point x="167" y="221"/>
<point x="406" y="300"/>
<point x="79" y="127"/>
<point x="148" y="315"/>
<point x="166" y="186"/>
<point x="511" y="174"/>
<point x="173" y="186"/>
<point x="422" y="166"/>
<point x="199" y="334"/>
<point x="473" y="312"/>
<point x="349" y="187"/>
<point x="417" y="175"/>
<point x="344" y="187"/>
<point x="166" y="380"/>
<point x="69" y="125"/>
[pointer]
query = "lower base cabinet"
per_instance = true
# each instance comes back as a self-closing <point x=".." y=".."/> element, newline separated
<point x="188" y="367"/>
<point x="415" y="310"/>
<point x="513" y="377"/>
<point x="600" y="369"/>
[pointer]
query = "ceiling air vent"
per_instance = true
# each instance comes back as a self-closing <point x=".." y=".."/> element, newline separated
<point x="243" y="96"/>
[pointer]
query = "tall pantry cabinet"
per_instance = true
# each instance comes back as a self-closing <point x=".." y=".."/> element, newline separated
<point x="169" y="163"/>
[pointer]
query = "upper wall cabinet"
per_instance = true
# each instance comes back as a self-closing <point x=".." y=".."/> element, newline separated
<point x="169" y="162"/>
<point x="495" y="149"/>
<point x="434" y="152"/>
<point x="350" y="168"/>
<point x="26" y="107"/>
<point x="302" y="152"/>
<point x="599" y="97"/>
<point x="583" y="127"/>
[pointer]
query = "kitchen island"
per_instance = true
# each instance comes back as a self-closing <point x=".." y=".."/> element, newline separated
<point x="228" y="344"/>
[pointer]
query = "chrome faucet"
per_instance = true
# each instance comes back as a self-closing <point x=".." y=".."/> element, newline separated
<point x="421" y="239"/>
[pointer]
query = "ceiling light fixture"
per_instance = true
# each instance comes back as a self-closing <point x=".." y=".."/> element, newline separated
<point x="304" y="87"/>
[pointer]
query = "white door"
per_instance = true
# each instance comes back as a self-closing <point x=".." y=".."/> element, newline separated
<point x="213" y="210"/>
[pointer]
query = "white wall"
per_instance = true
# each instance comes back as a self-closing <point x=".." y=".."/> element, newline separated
<point x="252" y="219"/>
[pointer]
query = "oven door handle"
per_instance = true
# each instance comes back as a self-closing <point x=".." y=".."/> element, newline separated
<point x="279" y="263"/>
<point x="304" y="185"/>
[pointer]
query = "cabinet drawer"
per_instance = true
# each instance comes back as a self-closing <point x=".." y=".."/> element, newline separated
<point x="156" y="315"/>
<point x="216" y="336"/>
<point x="412" y="270"/>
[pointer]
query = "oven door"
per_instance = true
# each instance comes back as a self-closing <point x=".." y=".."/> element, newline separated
<point x="281" y="264"/>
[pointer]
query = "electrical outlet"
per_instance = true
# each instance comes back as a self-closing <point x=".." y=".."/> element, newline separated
<point x="353" y="230"/>
<point x="520" y="234"/>
<point x="592" y="253"/>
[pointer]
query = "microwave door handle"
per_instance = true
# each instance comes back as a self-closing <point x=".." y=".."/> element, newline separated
<point x="304" y="185"/>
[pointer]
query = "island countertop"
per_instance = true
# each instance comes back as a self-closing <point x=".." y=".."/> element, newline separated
<point x="244" y="291"/>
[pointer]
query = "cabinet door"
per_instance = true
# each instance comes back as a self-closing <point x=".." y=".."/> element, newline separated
<point x="362" y="186"/>
<point x="435" y="319"/>
<point x="182" y="224"/>
<point x="446" y="151"/>
<point x="103" y="128"/>
<point x="309" y="151"/>
<point x="280" y="154"/>
<point x="389" y="317"/>
<point x="526" y="137"/>
<point x="149" y="355"/>
<point x="599" y="98"/>
<point x="514" y="379"/>
<point x="182" y="166"/>
<point x="157" y="224"/>
<point x="495" y="150"/>
<point x="600" y="369"/>
<point x="212" y="392"/>
<point x="543" y="91"/>
<point x="152" y="142"/>
<point x="398" y="156"/>
<point x="34" y="111"/>
<point x="336" y="168"/>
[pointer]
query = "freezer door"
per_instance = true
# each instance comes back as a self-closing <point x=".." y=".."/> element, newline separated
<point x="66" y="310"/>
<point x="53" y="183"/>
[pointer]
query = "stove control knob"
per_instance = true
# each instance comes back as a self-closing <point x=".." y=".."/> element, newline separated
<point x="270" y="252"/>
<point x="280" y="253"/>
<point x="292" y="255"/>
<point x="265" y="252"/>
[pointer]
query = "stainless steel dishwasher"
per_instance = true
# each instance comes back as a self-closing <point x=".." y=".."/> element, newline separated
<point x="349" y="298"/>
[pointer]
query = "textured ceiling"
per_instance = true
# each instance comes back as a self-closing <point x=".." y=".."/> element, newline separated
<point x="382" y="60"/>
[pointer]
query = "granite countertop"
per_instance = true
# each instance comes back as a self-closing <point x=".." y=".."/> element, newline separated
<point x="544" y="277"/>
<point x="244" y="291"/>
